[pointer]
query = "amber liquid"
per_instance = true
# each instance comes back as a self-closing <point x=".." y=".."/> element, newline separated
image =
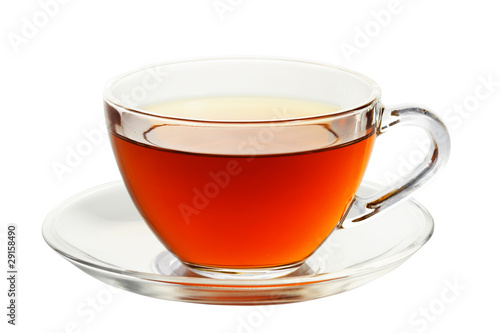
<point x="242" y="211"/>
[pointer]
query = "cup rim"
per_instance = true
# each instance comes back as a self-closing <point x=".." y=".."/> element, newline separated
<point x="372" y="99"/>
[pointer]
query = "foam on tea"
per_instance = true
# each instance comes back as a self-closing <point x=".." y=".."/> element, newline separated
<point x="211" y="192"/>
<point x="240" y="108"/>
<point x="274" y="138"/>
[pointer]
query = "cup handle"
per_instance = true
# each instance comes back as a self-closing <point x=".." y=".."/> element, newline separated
<point x="402" y="188"/>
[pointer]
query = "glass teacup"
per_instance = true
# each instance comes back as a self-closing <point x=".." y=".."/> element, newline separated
<point x="242" y="167"/>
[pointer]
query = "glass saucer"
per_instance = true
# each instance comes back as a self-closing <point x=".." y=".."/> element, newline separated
<point x="101" y="232"/>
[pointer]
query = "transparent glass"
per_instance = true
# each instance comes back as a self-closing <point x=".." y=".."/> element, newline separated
<point x="236" y="195"/>
<point x="101" y="232"/>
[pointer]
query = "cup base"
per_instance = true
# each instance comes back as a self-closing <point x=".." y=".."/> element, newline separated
<point x="168" y="264"/>
<point x="243" y="273"/>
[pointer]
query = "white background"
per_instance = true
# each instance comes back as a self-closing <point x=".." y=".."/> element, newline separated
<point x="434" y="53"/>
